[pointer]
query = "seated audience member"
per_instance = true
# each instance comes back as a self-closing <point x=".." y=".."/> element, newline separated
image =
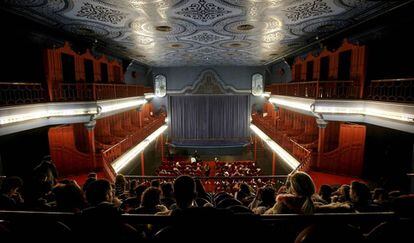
<point x="155" y="183"/>
<point x="264" y="200"/>
<point x="184" y="192"/>
<point x="91" y="178"/>
<point x="69" y="197"/>
<point x="100" y="199"/>
<point x="134" y="202"/>
<point x="380" y="197"/>
<point x="325" y="192"/>
<point x="120" y="186"/>
<point x="150" y="202"/>
<point x="10" y="198"/>
<point x="244" y="194"/>
<point x="132" y="185"/>
<point x="361" y="198"/>
<point x="299" y="200"/>
<point x="101" y="219"/>
<point x="342" y="194"/>
<point x="167" y="194"/>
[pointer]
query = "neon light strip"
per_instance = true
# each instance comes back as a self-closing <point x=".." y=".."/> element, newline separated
<point x="347" y="108"/>
<point x="123" y="105"/>
<point x="45" y="114"/>
<point x="283" y="154"/>
<point x="304" y="105"/>
<point x="50" y="110"/>
<point x="127" y="157"/>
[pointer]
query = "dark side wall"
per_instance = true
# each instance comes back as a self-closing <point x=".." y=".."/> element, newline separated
<point x="21" y="152"/>
<point x="388" y="157"/>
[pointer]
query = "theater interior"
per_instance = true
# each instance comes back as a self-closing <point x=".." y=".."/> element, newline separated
<point x="207" y="120"/>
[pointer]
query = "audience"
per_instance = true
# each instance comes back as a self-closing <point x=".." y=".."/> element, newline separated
<point x="188" y="199"/>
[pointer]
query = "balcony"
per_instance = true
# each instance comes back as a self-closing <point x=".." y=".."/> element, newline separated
<point x="32" y="93"/>
<point x="388" y="90"/>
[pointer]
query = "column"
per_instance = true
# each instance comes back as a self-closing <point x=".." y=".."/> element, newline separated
<point x="255" y="147"/>
<point x="162" y="146"/>
<point x="90" y="127"/>
<point x="321" y="139"/>
<point x="142" y="164"/>
<point x="274" y="163"/>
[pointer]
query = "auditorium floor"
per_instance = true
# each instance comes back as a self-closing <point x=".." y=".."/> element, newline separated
<point x="152" y="157"/>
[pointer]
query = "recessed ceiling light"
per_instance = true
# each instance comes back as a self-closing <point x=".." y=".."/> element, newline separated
<point x="245" y="27"/>
<point x="175" y="45"/>
<point x="273" y="54"/>
<point x="230" y="54"/>
<point x="163" y="28"/>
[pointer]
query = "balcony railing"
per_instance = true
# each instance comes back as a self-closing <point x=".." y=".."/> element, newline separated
<point x="396" y="90"/>
<point x="302" y="154"/>
<point x="112" y="153"/>
<point x="317" y="89"/>
<point x="21" y="93"/>
<point x="95" y="91"/>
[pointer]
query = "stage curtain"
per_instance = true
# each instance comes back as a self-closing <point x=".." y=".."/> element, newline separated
<point x="209" y="117"/>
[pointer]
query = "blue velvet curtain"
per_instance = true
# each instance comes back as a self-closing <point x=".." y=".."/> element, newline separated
<point x="214" y="117"/>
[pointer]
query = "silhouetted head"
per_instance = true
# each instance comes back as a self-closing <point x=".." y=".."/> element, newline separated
<point x="184" y="191"/>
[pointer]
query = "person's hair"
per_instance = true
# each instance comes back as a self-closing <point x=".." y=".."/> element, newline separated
<point x="380" y="193"/>
<point x="120" y="180"/>
<point x="11" y="183"/>
<point x="98" y="191"/>
<point x="132" y="185"/>
<point x="244" y="188"/>
<point x="155" y="183"/>
<point x="360" y="193"/>
<point x="151" y="197"/>
<point x="167" y="189"/>
<point x="184" y="191"/>
<point x="325" y="192"/>
<point x="69" y="197"/>
<point x="301" y="184"/>
<point x="87" y="183"/>
<point x="139" y="190"/>
<point x="268" y="196"/>
<point x="93" y="175"/>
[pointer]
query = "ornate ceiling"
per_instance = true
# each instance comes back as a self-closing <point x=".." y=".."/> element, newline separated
<point x="199" y="32"/>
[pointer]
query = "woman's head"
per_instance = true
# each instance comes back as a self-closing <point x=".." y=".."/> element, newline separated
<point x="301" y="184"/>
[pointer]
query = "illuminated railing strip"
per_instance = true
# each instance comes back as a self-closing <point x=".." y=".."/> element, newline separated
<point x="283" y="154"/>
<point x="15" y="114"/>
<point x="5" y="120"/>
<point x="123" y="105"/>
<point x="365" y="108"/>
<point x="127" y="157"/>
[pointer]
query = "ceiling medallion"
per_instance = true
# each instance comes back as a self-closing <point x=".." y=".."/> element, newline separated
<point x="163" y="28"/>
<point x="245" y="27"/>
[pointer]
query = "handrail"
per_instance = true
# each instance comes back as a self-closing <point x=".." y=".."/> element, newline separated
<point x="210" y="177"/>
<point x="392" y="80"/>
<point x="18" y="83"/>
<point x="149" y="218"/>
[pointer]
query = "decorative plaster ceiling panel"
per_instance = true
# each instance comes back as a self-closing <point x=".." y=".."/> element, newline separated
<point x="200" y="32"/>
